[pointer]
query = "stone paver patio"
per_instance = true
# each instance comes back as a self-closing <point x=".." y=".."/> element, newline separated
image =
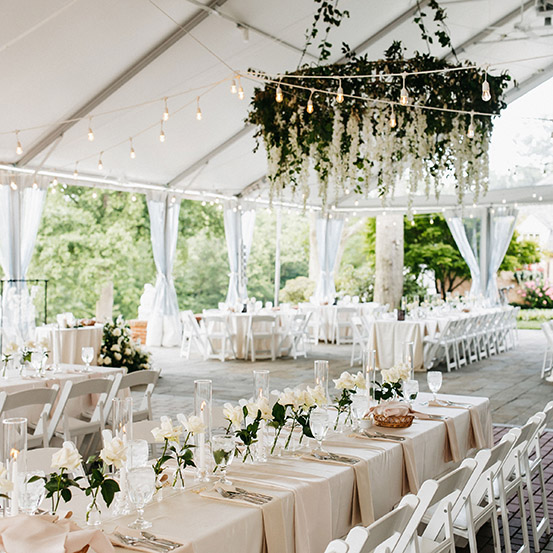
<point x="511" y="380"/>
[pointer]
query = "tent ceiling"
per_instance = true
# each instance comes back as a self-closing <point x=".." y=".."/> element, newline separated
<point x="60" y="57"/>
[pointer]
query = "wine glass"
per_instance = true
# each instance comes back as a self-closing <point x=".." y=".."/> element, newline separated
<point x="411" y="389"/>
<point x="434" y="379"/>
<point x="37" y="362"/>
<point x="31" y="494"/>
<point x="138" y="454"/>
<point x="319" y="423"/>
<point x="142" y="485"/>
<point x="223" y="453"/>
<point x="87" y="355"/>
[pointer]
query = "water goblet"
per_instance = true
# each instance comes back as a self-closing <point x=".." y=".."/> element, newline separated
<point x="142" y="485"/>
<point x="434" y="379"/>
<point x="37" y="361"/>
<point x="319" y="424"/>
<point x="31" y="494"/>
<point x="223" y="453"/>
<point x="87" y="355"/>
<point x="411" y="390"/>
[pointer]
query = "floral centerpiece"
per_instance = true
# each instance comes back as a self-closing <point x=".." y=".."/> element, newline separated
<point x="392" y="382"/>
<point x="10" y="350"/>
<point x="349" y="384"/>
<point x="120" y="350"/>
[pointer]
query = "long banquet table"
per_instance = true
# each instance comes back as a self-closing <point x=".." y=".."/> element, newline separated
<point x="314" y="501"/>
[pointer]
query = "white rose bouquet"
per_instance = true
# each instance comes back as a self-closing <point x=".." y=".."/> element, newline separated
<point x="392" y="382"/>
<point x="349" y="384"/>
<point x="7" y="355"/>
<point x="244" y="421"/>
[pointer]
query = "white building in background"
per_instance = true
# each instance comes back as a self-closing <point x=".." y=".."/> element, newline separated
<point x="533" y="228"/>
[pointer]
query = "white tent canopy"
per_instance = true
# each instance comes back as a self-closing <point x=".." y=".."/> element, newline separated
<point x="69" y="59"/>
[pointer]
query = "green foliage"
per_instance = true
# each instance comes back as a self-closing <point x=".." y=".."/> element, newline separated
<point x="537" y="294"/>
<point x="297" y="290"/>
<point x="538" y="315"/>
<point x="520" y="253"/>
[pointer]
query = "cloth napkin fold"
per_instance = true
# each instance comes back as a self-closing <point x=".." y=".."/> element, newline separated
<point x="476" y="434"/>
<point x="392" y="408"/>
<point x="49" y="534"/>
<point x="274" y="526"/>
<point x="451" y="447"/>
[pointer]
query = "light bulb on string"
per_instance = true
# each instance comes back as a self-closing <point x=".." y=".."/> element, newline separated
<point x="486" y="94"/>
<point x="161" y="133"/>
<point x="470" y="130"/>
<point x="165" y="116"/>
<point x="55" y="181"/>
<point x="198" y="109"/>
<point x="94" y="195"/>
<point x="431" y="220"/>
<point x="13" y="185"/>
<point x="90" y="131"/>
<point x="240" y="90"/>
<point x="76" y="171"/>
<point x="35" y="185"/>
<point x="309" y="107"/>
<point x="100" y="164"/>
<point x="133" y="198"/>
<point x="233" y="88"/>
<point x="393" y="120"/>
<point x="279" y="96"/>
<point x="340" y="93"/>
<point x="132" y="153"/>
<point x="404" y="95"/>
<point x="18" y="148"/>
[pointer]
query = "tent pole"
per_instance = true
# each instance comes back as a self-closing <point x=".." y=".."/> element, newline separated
<point x="277" y="256"/>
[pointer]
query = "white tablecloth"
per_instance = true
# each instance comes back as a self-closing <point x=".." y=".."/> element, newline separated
<point x="316" y="498"/>
<point x="70" y="341"/>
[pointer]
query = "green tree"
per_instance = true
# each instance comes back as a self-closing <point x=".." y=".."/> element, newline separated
<point x="520" y="253"/>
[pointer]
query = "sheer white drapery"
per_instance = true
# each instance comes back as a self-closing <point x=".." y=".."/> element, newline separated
<point x="164" y="327"/>
<point x="483" y="241"/>
<point x="20" y="216"/>
<point x="329" y="233"/>
<point x="239" y="227"/>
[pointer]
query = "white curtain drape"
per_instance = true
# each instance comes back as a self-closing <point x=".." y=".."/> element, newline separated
<point x="329" y="233"/>
<point x="502" y="226"/>
<point x="164" y="326"/>
<point x="20" y="217"/>
<point x="239" y="227"/>
<point x="483" y="241"/>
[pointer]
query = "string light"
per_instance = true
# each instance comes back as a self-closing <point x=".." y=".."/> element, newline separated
<point x="94" y="195"/>
<point x="35" y="185"/>
<point x="13" y="185"/>
<point x="18" y="148"/>
<point x="486" y="94"/>
<point x="340" y="94"/>
<point x="132" y="153"/>
<point x="76" y="171"/>
<point x="133" y="198"/>
<point x="198" y="110"/>
<point x="412" y="222"/>
<point x="161" y="133"/>
<point x="309" y="107"/>
<point x="404" y="95"/>
<point x="90" y="131"/>
<point x="240" y="90"/>
<point x="165" y="115"/>
<point x="393" y="120"/>
<point x="279" y="96"/>
<point x="431" y="220"/>
<point x="55" y="182"/>
<point x="233" y="88"/>
<point x="470" y="130"/>
<point x="100" y="164"/>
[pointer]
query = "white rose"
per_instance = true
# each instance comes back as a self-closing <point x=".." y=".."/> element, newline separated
<point x="127" y="351"/>
<point x="318" y="395"/>
<point x="360" y="381"/>
<point x="117" y="332"/>
<point x="67" y="457"/>
<point x="107" y="361"/>
<point x="117" y="356"/>
<point x="29" y="344"/>
<point x="288" y="397"/>
<point x="166" y="431"/>
<point x="304" y="399"/>
<point x="11" y="349"/>
<point x="234" y="415"/>
<point x="345" y="382"/>
<point x="261" y="404"/>
<point x="115" y="347"/>
<point x="6" y="485"/>
<point x="114" y="453"/>
<point x="194" y="425"/>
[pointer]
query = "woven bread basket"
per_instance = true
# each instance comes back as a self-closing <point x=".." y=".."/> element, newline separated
<point x="396" y="421"/>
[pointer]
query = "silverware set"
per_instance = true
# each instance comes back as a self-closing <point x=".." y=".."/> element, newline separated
<point x="382" y="436"/>
<point x="249" y="497"/>
<point x="148" y="541"/>
<point x="333" y="457"/>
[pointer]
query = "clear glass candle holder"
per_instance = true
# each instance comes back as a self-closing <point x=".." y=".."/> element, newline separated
<point x="321" y="376"/>
<point x="202" y="409"/>
<point x="15" y="457"/>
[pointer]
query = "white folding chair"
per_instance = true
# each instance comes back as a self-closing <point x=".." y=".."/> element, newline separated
<point x="40" y="459"/>
<point x="298" y="335"/>
<point x="72" y="428"/>
<point x="360" y="339"/>
<point x="342" y="323"/>
<point x="548" y="353"/>
<point x="217" y="330"/>
<point x="261" y="328"/>
<point x="146" y="380"/>
<point x="43" y="431"/>
<point x="192" y="335"/>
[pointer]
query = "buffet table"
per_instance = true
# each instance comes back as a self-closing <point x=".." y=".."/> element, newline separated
<point x="66" y="343"/>
<point x="314" y="501"/>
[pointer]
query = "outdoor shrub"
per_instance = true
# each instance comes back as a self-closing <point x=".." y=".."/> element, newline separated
<point x="537" y="293"/>
<point x="297" y="290"/>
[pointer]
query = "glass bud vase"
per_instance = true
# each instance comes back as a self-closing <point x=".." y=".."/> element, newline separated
<point x="93" y="514"/>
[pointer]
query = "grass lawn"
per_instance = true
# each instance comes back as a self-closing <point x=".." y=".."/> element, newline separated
<point x="534" y="325"/>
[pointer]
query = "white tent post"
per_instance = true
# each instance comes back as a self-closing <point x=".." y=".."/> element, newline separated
<point x="484" y="248"/>
<point x="277" y="256"/>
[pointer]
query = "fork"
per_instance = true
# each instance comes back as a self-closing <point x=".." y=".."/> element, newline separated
<point x="266" y="498"/>
<point x="130" y="540"/>
<point x="161" y="541"/>
<point x="384" y="436"/>
<point x="234" y="495"/>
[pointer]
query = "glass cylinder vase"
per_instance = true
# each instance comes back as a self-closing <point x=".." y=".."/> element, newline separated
<point x="321" y="377"/>
<point x="122" y="428"/>
<point x="409" y="358"/>
<point x="369" y="374"/>
<point x="15" y="457"/>
<point x="202" y="409"/>
<point x="261" y="391"/>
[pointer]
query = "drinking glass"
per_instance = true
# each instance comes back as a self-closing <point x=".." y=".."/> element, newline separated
<point x="319" y="423"/>
<point x="434" y="379"/>
<point x="142" y="485"/>
<point x="223" y="453"/>
<point x="37" y="362"/>
<point x="87" y="355"/>
<point x="411" y="389"/>
<point x="321" y="376"/>
<point x="137" y="454"/>
<point x="31" y="494"/>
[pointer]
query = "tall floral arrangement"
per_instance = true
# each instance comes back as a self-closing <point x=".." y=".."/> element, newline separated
<point x="120" y="350"/>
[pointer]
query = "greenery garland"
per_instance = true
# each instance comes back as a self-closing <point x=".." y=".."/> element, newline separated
<point x="351" y="146"/>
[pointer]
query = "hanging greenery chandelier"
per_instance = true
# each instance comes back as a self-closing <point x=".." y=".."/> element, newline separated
<point x="369" y="125"/>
